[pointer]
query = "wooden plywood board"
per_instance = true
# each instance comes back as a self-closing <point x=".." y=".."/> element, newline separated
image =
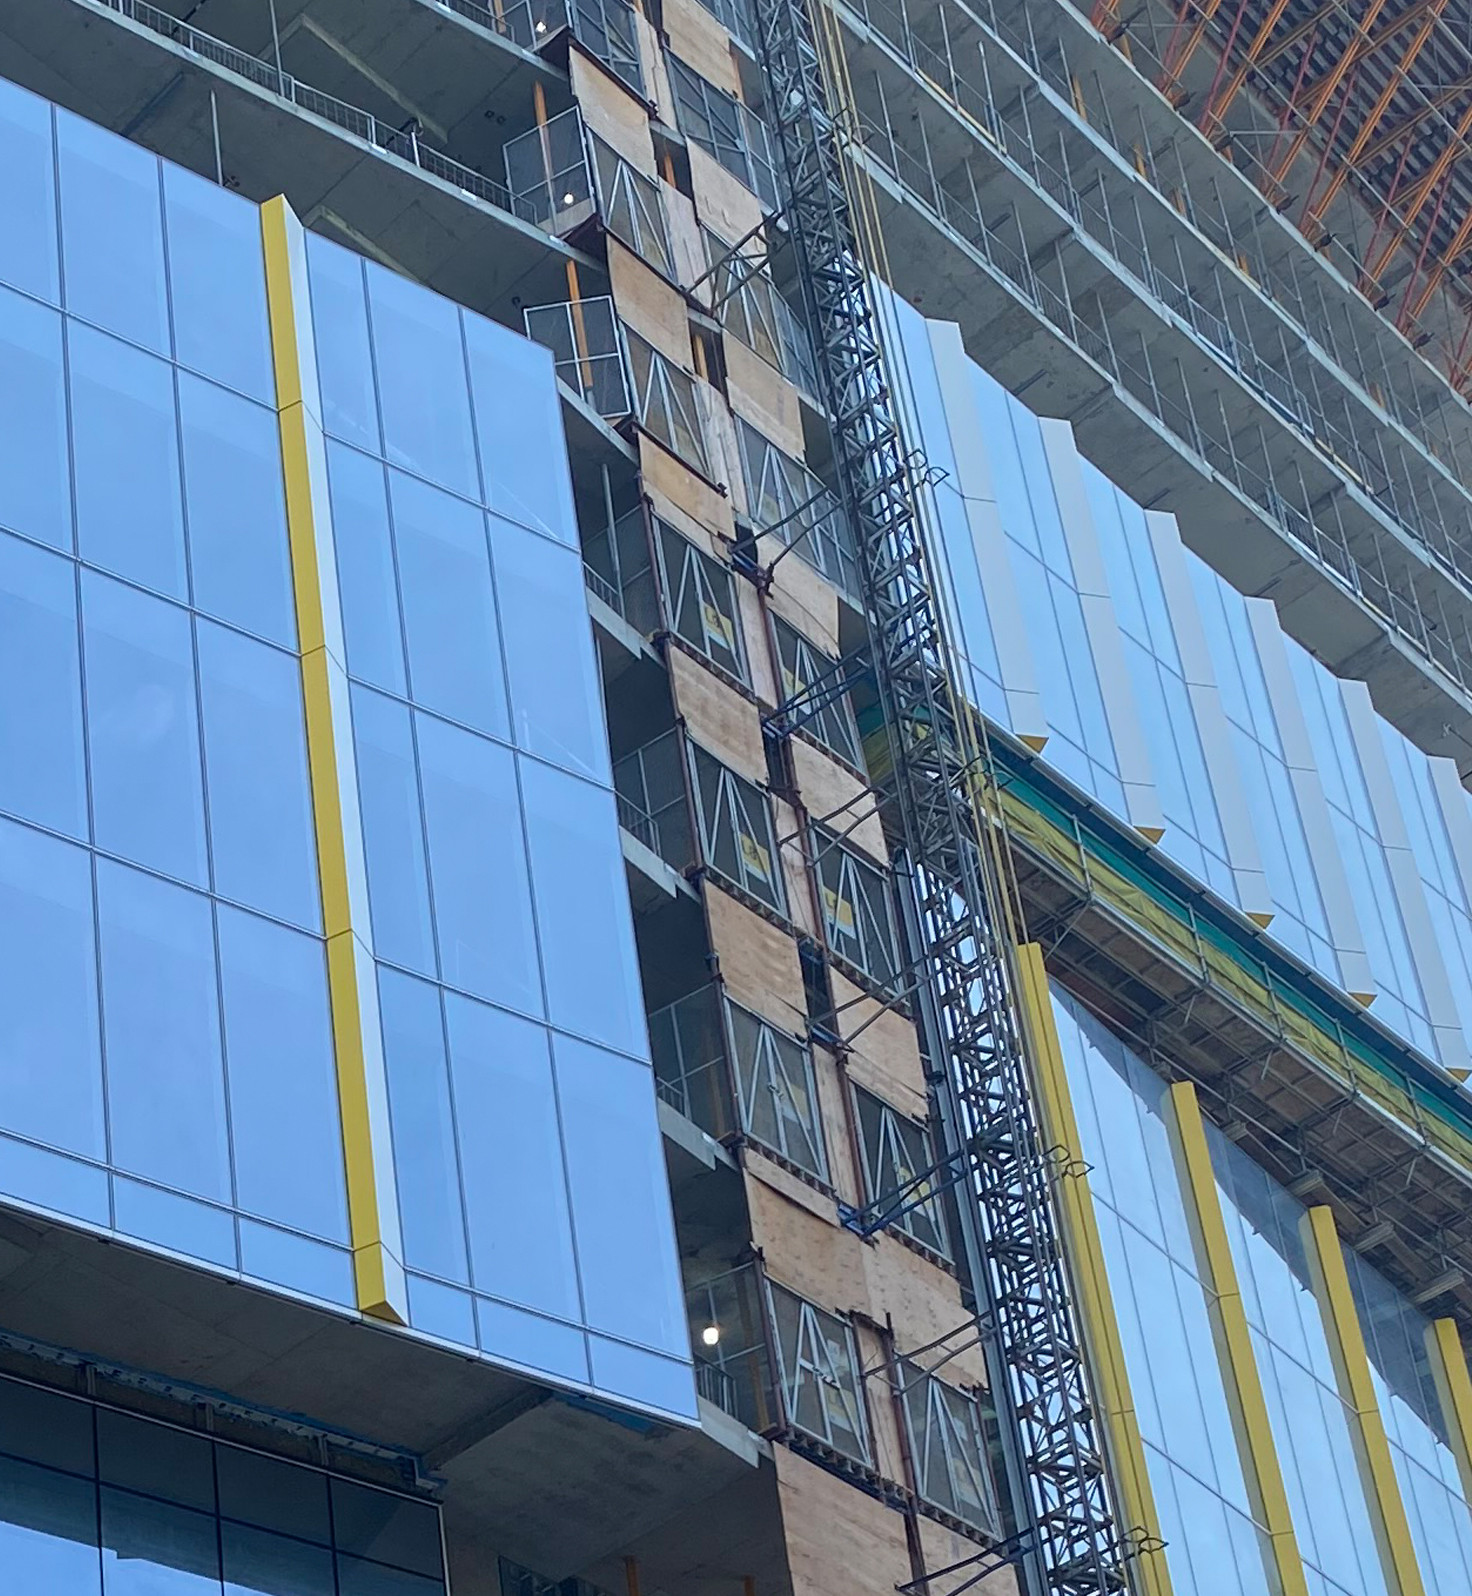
<point x="801" y="597"/>
<point x="764" y="396"/>
<point x="665" y="473"/>
<point x="758" y="648"/>
<point x="944" y="1548"/>
<point x="687" y="245"/>
<point x="758" y="961"/>
<point x="701" y="42"/>
<point x="722" y="202"/>
<point x="840" y="1542"/>
<point x="839" y="799"/>
<point x="648" y="304"/>
<point x="652" y="60"/>
<point x="801" y="907"/>
<point x="685" y="523"/>
<point x="720" y="437"/>
<point x="884" y="1053"/>
<point x="610" y="111"/>
<point x="719" y="718"/>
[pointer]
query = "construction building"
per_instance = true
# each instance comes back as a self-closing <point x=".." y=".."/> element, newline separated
<point x="733" y="846"/>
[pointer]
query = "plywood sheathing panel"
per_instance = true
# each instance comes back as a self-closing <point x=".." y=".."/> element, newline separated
<point x="840" y="1542"/>
<point x="719" y="431"/>
<point x="758" y="649"/>
<point x="685" y="524"/>
<point x="801" y="907"/>
<point x="884" y="1055"/>
<point x="648" y="304"/>
<point x="719" y="718"/>
<point x="764" y="396"/>
<point x="686" y="244"/>
<point x="881" y="1279"/>
<point x="758" y="961"/>
<point x="722" y="202"/>
<point x="839" y="799"/>
<point x="944" y="1548"/>
<point x="610" y="111"/>
<point x="701" y="42"/>
<point x="667" y="473"/>
<point x="800" y="596"/>
<point x="820" y="1204"/>
<point x="656" y="72"/>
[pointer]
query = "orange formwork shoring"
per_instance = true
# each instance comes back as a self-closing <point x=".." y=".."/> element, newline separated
<point x="1430" y="12"/>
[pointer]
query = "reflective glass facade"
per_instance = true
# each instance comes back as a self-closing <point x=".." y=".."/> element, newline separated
<point x="167" y="1060"/>
<point x="531" y="1187"/>
<point x="164" y="1023"/>
<point x="94" y="1502"/>
<point x="1173" y="701"/>
<point x="1195" y="1467"/>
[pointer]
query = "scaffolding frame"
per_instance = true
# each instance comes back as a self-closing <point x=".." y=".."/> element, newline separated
<point x="957" y="912"/>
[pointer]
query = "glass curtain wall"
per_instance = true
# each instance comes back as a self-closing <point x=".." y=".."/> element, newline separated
<point x="533" y="1198"/>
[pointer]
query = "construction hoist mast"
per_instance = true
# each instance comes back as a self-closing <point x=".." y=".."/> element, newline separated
<point x="962" y="952"/>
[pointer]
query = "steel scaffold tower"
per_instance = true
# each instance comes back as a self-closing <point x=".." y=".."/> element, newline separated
<point x="959" y="913"/>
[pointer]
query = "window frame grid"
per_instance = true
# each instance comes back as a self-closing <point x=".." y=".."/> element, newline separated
<point x="851" y="872"/>
<point x="838" y="712"/>
<point x="918" y="1386"/>
<point x="701" y="569"/>
<point x="885" y="1176"/>
<point x="657" y="384"/>
<point x="767" y="1061"/>
<point x="619" y="183"/>
<point x="811" y="1324"/>
<point x="812" y="522"/>
<point x="729" y="800"/>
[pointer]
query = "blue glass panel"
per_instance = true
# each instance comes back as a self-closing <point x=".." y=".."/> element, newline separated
<point x="441" y="1310"/>
<point x="588" y="959"/>
<point x="358" y="1577"/>
<point x="182" y="1224"/>
<point x="143" y="728"/>
<point x="506" y="1112"/>
<point x="620" y="1197"/>
<point x="393" y="836"/>
<point x="50" y="1068"/>
<point x="42" y="774"/>
<point x="35" y="486"/>
<point x="529" y="1339"/>
<point x="664" y="1383"/>
<point x="153" y="1548"/>
<point x="449" y="610"/>
<point x="239" y="559"/>
<point x="260" y="795"/>
<point x="421" y="381"/>
<point x="478" y="867"/>
<point x="389" y="1529"/>
<point x="423" y="1126"/>
<point x="340" y="332"/>
<point x="286" y="1259"/>
<point x="27" y="193"/>
<point x="48" y="1532"/>
<point x="36" y="1175"/>
<point x="155" y="1459"/>
<point x="165" y="1083"/>
<point x="45" y="1427"/>
<point x="124" y="430"/>
<point x="271" y="1494"/>
<point x="518" y="423"/>
<point x="217" y="278"/>
<point x="282" y="1076"/>
<point x="557" y="714"/>
<point x="365" y="568"/>
<point x="260" y="1564"/>
<point x="112" y="237"/>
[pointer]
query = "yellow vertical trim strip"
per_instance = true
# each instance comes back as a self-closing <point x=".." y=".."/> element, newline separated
<point x="1240" y="1377"/>
<point x="1449" y="1367"/>
<point x="1093" y="1299"/>
<point x="362" y="1093"/>
<point x="1356" y="1387"/>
